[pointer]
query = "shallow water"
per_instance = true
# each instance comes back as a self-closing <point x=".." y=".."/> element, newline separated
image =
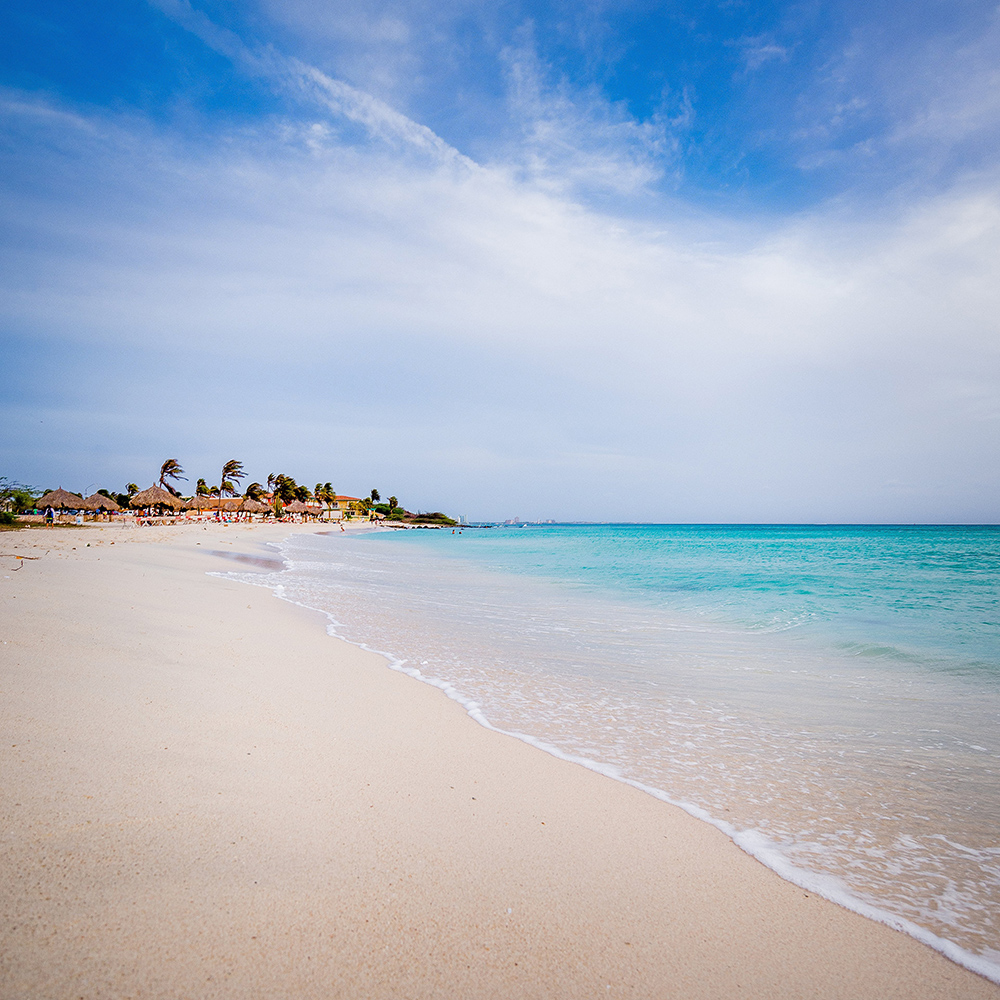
<point x="827" y="695"/>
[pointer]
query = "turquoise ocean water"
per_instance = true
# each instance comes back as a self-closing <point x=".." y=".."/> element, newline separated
<point x="828" y="696"/>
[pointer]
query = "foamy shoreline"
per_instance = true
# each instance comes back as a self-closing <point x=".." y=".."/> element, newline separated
<point x="206" y="795"/>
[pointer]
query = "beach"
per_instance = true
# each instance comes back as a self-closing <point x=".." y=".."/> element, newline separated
<point x="206" y="795"/>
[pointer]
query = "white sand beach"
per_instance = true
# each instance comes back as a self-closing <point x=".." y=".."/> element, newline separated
<point x="204" y="795"/>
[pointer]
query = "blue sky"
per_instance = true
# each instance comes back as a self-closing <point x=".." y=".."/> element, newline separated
<point x="671" y="261"/>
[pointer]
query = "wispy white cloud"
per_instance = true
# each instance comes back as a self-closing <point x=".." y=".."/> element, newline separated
<point x="565" y="138"/>
<point x="373" y="298"/>
<point x="957" y="97"/>
<point x="874" y="115"/>
<point x="28" y="106"/>
<point x="376" y="116"/>
<point x="379" y="119"/>
<point x="760" y="49"/>
<point x="923" y="109"/>
<point x="570" y="139"/>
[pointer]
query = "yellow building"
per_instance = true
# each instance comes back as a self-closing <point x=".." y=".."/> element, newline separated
<point x="344" y="507"/>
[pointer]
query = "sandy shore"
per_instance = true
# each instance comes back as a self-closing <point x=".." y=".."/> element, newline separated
<point x="204" y="795"/>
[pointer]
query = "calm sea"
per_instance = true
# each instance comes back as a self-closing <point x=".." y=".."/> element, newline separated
<point x="828" y="696"/>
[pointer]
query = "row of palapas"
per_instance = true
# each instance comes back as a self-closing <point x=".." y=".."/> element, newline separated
<point x="159" y="500"/>
<point x="283" y="495"/>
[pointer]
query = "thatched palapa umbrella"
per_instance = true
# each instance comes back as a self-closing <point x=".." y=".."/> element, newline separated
<point x="155" y="497"/>
<point x="297" y="507"/>
<point x="225" y="505"/>
<point x="255" y="507"/>
<point x="100" y="502"/>
<point x="199" y="503"/>
<point x="61" y="499"/>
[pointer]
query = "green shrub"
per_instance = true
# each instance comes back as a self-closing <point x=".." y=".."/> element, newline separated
<point x="6" y="517"/>
<point x="435" y="517"/>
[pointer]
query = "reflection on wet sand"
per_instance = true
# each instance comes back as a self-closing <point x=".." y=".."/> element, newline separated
<point x="259" y="562"/>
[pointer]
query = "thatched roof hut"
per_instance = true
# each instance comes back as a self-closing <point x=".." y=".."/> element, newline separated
<point x="255" y="507"/>
<point x="155" y="497"/>
<point x="200" y="503"/>
<point x="98" y="501"/>
<point x="61" y="499"/>
<point x="228" y="505"/>
<point x="298" y="507"/>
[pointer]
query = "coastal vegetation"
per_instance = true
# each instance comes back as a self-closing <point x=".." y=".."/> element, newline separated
<point x="281" y="494"/>
<point x="433" y="518"/>
<point x="14" y="495"/>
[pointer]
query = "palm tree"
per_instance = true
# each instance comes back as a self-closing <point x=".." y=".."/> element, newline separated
<point x="203" y="489"/>
<point x="254" y="492"/>
<point x="171" y="469"/>
<point x="131" y="489"/>
<point x="283" y="489"/>
<point x="393" y="503"/>
<point x="375" y="496"/>
<point x="232" y="473"/>
<point x="325" y="493"/>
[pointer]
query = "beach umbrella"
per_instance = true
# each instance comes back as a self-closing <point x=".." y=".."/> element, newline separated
<point x="199" y="503"/>
<point x="100" y="502"/>
<point x="255" y="507"/>
<point x="89" y="503"/>
<point x="61" y="499"/>
<point x="155" y="497"/>
<point x="298" y="507"/>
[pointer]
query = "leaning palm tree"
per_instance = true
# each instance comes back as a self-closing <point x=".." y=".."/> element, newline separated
<point x="171" y="469"/>
<point x="232" y="473"/>
<point x="254" y="492"/>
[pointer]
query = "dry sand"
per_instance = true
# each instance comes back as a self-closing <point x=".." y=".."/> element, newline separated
<point x="204" y="795"/>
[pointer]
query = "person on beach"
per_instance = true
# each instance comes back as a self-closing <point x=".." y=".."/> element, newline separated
<point x="50" y="516"/>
